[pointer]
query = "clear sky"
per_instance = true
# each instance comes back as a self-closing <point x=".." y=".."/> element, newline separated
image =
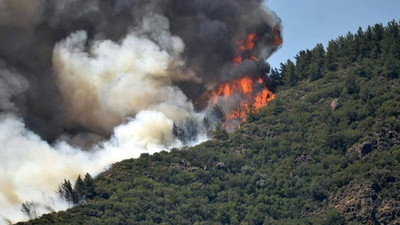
<point x="308" y="22"/>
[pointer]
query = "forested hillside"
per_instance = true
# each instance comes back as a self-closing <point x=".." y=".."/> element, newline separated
<point x="325" y="151"/>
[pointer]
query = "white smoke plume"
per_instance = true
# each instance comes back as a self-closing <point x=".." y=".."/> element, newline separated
<point x="31" y="169"/>
<point x="84" y="84"/>
<point x="110" y="81"/>
<point x="106" y="82"/>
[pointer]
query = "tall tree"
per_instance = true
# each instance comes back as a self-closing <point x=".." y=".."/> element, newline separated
<point x="317" y="62"/>
<point x="332" y="51"/>
<point x="66" y="191"/>
<point x="303" y="61"/>
<point x="276" y="79"/>
<point x="80" y="189"/>
<point x="89" y="186"/>
<point x="288" y="73"/>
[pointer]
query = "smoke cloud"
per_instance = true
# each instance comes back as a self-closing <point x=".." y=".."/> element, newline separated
<point x="111" y="81"/>
<point x="30" y="166"/>
<point x="84" y="84"/>
<point x="12" y="86"/>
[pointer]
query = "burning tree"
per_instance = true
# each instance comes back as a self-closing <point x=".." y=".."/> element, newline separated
<point x="248" y="93"/>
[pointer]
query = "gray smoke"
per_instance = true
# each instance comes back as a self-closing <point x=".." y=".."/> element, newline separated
<point x="84" y="84"/>
<point x="208" y="29"/>
<point x="12" y="87"/>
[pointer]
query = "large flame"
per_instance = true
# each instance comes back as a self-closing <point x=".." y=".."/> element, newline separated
<point x="249" y="93"/>
<point x="240" y="96"/>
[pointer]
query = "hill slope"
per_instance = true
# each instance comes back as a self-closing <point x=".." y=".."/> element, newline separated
<point x="325" y="151"/>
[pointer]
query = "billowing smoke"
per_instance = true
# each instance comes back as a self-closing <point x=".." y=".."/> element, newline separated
<point x="31" y="169"/>
<point x="84" y="84"/>
<point x="12" y="86"/>
<point x="109" y="81"/>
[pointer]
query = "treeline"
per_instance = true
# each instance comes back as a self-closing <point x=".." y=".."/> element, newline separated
<point x="325" y="151"/>
<point x="375" y="50"/>
<point x="79" y="193"/>
<point x="82" y="190"/>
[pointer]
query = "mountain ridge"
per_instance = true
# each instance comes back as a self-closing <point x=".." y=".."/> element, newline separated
<point x="325" y="151"/>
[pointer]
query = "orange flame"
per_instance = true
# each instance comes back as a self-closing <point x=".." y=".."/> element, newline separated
<point x="239" y="97"/>
<point x="245" y="91"/>
<point x="244" y="45"/>
<point x="277" y="36"/>
<point x="249" y="42"/>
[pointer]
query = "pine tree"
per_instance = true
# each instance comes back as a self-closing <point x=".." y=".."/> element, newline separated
<point x="350" y="48"/>
<point x="288" y="73"/>
<point x="218" y="113"/>
<point x="29" y="209"/>
<point x="303" y="60"/>
<point x="80" y="189"/>
<point x="207" y="125"/>
<point x="317" y="62"/>
<point x="331" y="56"/>
<point x="190" y="128"/>
<point x="66" y="191"/>
<point x="90" y="190"/>
<point x="276" y="79"/>
<point x="362" y="44"/>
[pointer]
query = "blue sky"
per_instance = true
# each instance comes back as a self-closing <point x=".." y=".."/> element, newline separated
<point x="308" y="22"/>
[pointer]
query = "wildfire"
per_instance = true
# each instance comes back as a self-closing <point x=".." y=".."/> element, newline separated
<point x="246" y="46"/>
<point x="277" y="36"/>
<point x="240" y="96"/>
<point x="248" y="93"/>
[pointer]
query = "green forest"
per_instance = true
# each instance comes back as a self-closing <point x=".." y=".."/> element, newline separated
<point x="325" y="151"/>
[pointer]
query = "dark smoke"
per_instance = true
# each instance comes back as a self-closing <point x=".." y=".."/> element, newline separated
<point x="29" y="31"/>
<point x="84" y="84"/>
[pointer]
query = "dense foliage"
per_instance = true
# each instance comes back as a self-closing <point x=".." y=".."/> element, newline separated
<point x="325" y="151"/>
<point x="81" y="192"/>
